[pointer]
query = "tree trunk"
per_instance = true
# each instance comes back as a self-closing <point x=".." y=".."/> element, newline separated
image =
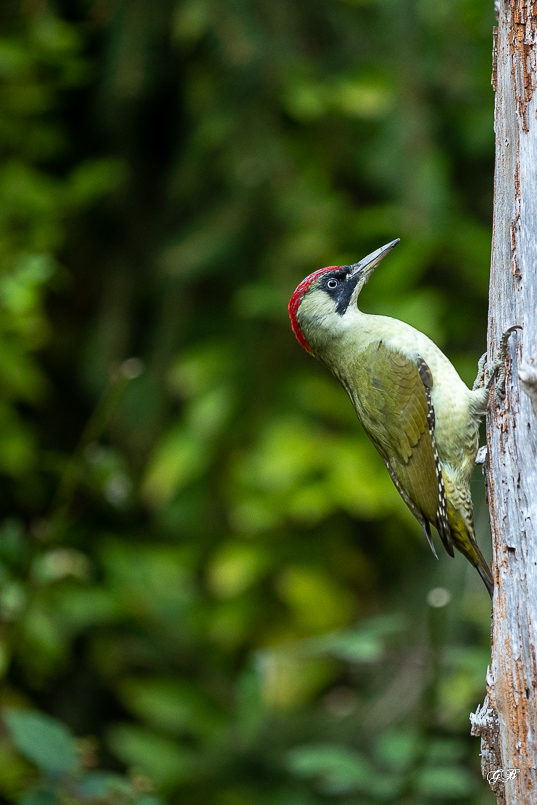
<point x="507" y="723"/>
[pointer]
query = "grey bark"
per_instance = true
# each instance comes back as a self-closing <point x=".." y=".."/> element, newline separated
<point x="507" y="723"/>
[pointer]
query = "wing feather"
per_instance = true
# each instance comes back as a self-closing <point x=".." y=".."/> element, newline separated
<point x="399" y="419"/>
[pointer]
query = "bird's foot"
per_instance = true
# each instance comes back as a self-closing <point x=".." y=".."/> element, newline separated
<point x="497" y="370"/>
<point x="479" y="382"/>
<point x="498" y="367"/>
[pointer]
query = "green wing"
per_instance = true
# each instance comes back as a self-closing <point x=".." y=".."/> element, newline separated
<point x="399" y="420"/>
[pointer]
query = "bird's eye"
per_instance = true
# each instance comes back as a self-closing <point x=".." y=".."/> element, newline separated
<point x="332" y="283"/>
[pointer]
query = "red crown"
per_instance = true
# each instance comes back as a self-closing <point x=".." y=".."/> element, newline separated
<point x="297" y="298"/>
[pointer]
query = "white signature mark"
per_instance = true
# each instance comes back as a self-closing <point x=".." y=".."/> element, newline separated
<point x="502" y="775"/>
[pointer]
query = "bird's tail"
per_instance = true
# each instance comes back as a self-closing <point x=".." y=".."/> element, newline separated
<point x="484" y="571"/>
<point x="463" y="536"/>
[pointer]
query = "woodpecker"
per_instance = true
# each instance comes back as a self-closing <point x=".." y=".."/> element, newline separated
<point x="419" y="414"/>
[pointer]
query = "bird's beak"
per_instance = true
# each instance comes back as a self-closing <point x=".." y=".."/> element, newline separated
<point x="368" y="264"/>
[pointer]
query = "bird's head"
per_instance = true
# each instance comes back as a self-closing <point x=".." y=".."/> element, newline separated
<point x="320" y="303"/>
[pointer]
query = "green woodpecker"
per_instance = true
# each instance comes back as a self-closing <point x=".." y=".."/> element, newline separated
<point x="421" y="417"/>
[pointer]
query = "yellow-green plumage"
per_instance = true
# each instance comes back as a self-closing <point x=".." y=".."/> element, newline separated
<point x="395" y="408"/>
<point x="414" y="407"/>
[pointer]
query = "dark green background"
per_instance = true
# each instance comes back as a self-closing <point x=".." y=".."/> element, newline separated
<point x="206" y="574"/>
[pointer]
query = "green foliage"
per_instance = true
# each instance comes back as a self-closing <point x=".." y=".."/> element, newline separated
<point x="61" y="777"/>
<point x="42" y="739"/>
<point x="205" y="572"/>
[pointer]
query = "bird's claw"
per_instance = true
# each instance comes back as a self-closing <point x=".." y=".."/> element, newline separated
<point x="497" y="375"/>
<point x="479" y="382"/>
<point x="497" y="371"/>
<point x="498" y="367"/>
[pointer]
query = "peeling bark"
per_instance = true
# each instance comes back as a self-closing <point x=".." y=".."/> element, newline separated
<point x="527" y="374"/>
<point x="507" y="723"/>
<point x="486" y="726"/>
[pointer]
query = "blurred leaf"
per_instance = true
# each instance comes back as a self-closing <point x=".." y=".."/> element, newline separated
<point x="17" y="445"/>
<point x="317" y="602"/>
<point x="148" y="799"/>
<point x="42" y="739"/>
<point x="149" y="580"/>
<point x="165" y="761"/>
<point x="20" y="289"/>
<point x="99" y="784"/>
<point x="12" y="600"/>
<point x="12" y="541"/>
<point x="397" y="748"/>
<point x="82" y="607"/>
<point x="366" y="643"/>
<point x="289" y="680"/>
<point x="13" y="767"/>
<point x="91" y="180"/>
<point x="172" y="705"/>
<point x="235" y="568"/>
<point x="446" y="781"/>
<point x="39" y="796"/>
<point x="318" y="394"/>
<point x="181" y="458"/>
<point x="201" y="368"/>
<point x="191" y="20"/>
<point x="337" y="769"/>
